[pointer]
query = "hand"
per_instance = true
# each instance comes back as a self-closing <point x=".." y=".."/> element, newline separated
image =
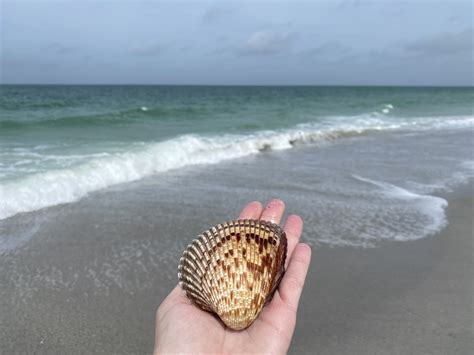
<point x="182" y="327"/>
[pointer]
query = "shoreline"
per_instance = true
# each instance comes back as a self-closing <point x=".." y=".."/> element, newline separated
<point x="399" y="298"/>
<point x="89" y="276"/>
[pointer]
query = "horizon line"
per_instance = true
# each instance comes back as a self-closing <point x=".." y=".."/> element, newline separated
<point x="241" y="85"/>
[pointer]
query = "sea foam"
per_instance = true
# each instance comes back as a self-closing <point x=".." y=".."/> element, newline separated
<point x="429" y="208"/>
<point x="68" y="184"/>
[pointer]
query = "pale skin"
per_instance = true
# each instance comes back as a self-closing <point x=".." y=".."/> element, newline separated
<point x="181" y="327"/>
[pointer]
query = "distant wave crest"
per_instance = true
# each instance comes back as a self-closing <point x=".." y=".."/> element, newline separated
<point x="105" y="119"/>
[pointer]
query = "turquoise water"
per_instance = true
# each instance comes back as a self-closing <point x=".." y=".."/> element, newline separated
<point x="148" y="113"/>
<point x="59" y="143"/>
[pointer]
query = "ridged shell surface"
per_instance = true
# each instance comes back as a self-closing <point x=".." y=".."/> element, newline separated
<point x="234" y="268"/>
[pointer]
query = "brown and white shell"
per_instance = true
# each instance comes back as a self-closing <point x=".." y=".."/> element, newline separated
<point x="234" y="268"/>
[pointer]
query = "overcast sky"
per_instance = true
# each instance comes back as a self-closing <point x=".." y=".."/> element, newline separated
<point x="351" y="42"/>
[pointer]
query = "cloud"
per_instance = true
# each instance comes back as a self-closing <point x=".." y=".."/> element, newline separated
<point x="58" y="48"/>
<point x="330" y="50"/>
<point x="22" y="69"/>
<point x="148" y="51"/>
<point x="267" y="43"/>
<point x="214" y="14"/>
<point x="443" y="43"/>
<point x="349" y="3"/>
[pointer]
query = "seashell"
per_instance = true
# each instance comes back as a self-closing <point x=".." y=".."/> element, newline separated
<point x="234" y="268"/>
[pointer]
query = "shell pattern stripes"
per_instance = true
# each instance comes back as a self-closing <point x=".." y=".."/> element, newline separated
<point x="234" y="268"/>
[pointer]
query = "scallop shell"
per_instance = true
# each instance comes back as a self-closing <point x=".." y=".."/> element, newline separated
<point x="234" y="268"/>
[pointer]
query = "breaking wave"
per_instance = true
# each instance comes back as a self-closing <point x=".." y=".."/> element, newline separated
<point x="68" y="184"/>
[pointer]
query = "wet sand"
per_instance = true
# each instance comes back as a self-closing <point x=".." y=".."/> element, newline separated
<point x="411" y="298"/>
<point x="399" y="298"/>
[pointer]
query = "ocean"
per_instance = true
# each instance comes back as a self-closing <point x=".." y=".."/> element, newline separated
<point x="367" y="161"/>
<point x="102" y="188"/>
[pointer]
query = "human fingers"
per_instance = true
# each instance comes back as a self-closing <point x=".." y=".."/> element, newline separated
<point x="273" y="211"/>
<point x="175" y="296"/>
<point x="252" y="211"/>
<point x="293" y="228"/>
<point x="292" y="283"/>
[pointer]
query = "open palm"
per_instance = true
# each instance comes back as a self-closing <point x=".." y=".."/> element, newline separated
<point x="182" y="327"/>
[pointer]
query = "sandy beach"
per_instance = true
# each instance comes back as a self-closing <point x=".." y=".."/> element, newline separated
<point x="87" y="277"/>
<point x="400" y="298"/>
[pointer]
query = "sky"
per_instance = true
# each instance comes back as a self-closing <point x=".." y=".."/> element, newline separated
<point x="350" y="42"/>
